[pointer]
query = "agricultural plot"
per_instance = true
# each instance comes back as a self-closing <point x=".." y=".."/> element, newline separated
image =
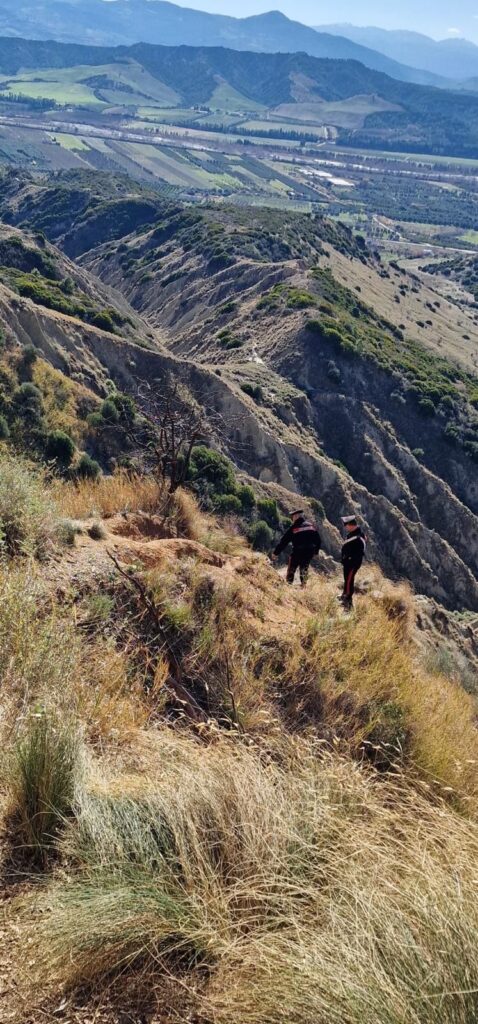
<point x="96" y="87"/>
<point x="70" y="142"/>
<point x="350" y="113"/>
<point x="226" y="98"/>
<point x="282" y="126"/>
<point x="65" y="86"/>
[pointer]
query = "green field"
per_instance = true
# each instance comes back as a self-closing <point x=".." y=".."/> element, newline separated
<point x="116" y="84"/>
<point x="226" y="98"/>
<point x="72" y="142"/>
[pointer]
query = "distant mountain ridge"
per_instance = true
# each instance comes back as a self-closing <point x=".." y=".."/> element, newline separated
<point x="400" y="115"/>
<point x="452" y="58"/>
<point x="126" y="22"/>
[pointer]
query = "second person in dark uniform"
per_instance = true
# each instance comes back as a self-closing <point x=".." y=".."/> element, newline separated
<point x="353" y="552"/>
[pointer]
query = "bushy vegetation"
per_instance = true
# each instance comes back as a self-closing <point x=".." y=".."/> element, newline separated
<point x="63" y="297"/>
<point x="463" y="269"/>
<point x="45" y="414"/>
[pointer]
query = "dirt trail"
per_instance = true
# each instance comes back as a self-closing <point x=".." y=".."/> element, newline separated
<point x="139" y="540"/>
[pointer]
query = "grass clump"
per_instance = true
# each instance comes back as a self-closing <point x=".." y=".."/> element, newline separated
<point x="28" y="517"/>
<point x="289" y="891"/>
<point x="43" y="777"/>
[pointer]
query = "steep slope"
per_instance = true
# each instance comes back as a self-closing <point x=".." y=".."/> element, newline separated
<point x="217" y="771"/>
<point x="316" y="389"/>
<point x="94" y="22"/>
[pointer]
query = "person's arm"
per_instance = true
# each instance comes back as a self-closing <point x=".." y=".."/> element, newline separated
<point x="317" y="542"/>
<point x="285" y="540"/>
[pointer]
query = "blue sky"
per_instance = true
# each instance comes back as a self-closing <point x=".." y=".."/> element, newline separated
<point x="437" y="18"/>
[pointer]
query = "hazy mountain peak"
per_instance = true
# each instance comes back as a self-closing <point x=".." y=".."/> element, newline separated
<point x="454" y="57"/>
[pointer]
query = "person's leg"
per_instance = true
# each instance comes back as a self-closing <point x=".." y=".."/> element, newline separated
<point x="349" y="588"/>
<point x="304" y="568"/>
<point x="292" y="567"/>
<point x="346" y="573"/>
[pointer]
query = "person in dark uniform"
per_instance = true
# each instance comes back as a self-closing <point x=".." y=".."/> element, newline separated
<point x="306" y="543"/>
<point x="353" y="552"/>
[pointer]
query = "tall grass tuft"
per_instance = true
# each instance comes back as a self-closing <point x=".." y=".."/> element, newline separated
<point x="303" y="891"/>
<point x="43" y="778"/>
<point x="28" y="518"/>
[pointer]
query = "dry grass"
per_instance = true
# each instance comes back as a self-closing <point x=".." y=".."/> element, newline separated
<point x="241" y="874"/>
<point x="28" y="519"/>
<point x="305" y="892"/>
<point x="128" y="492"/>
<point x="356" y="680"/>
<point x="46" y="661"/>
<point x="122" y="492"/>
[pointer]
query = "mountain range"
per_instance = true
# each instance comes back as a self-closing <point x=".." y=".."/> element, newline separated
<point x="396" y="115"/>
<point x="452" y="58"/>
<point x="131" y="21"/>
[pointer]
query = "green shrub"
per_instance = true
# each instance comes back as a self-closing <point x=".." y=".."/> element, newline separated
<point x="246" y="497"/>
<point x="297" y="299"/>
<point x="4" y="429"/>
<point x="227" y="504"/>
<point x="261" y="536"/>
<point x="427" y="407"/>
<point x="125" y="406"/>
<point x="95" y="420"/>
<point x="211" y="472"/>
<point x="109" y="411"/>
<point x="87" y="468"/>
<point x="253" y="390"/>
<point x="61" y="448"/>
<point x="42" y="784"/>
<point x="268" y="511"/>
<point x="26" y="363"/>
<point x="27" y="401"/>
<point x="102" y="319"/>
<point x="228" y="340"/>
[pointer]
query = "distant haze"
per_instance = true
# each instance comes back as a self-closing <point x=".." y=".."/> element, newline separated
<point x="438" y="18"/>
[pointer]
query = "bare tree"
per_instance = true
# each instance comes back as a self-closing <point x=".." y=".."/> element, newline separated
<point x="172" y="426"/>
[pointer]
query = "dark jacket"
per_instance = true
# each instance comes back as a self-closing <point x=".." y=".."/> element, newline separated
<point x="354" y="549"/>
<point x="303" y="536"/>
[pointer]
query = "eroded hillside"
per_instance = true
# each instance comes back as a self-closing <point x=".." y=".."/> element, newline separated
<point x="280" y="325"/>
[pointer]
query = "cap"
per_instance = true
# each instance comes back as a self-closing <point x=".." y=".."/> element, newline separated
<point x="347" y="520"/>
<point x="297" y="512"/>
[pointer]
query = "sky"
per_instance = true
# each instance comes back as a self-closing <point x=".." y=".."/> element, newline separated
<point x="438" y="18"/>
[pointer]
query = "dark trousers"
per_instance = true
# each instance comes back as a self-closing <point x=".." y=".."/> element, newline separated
<point x="299" y="560"/>
<point x="350" y="572"/>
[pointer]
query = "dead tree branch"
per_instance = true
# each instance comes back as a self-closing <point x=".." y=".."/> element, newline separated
<point x="176" y="678"/>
